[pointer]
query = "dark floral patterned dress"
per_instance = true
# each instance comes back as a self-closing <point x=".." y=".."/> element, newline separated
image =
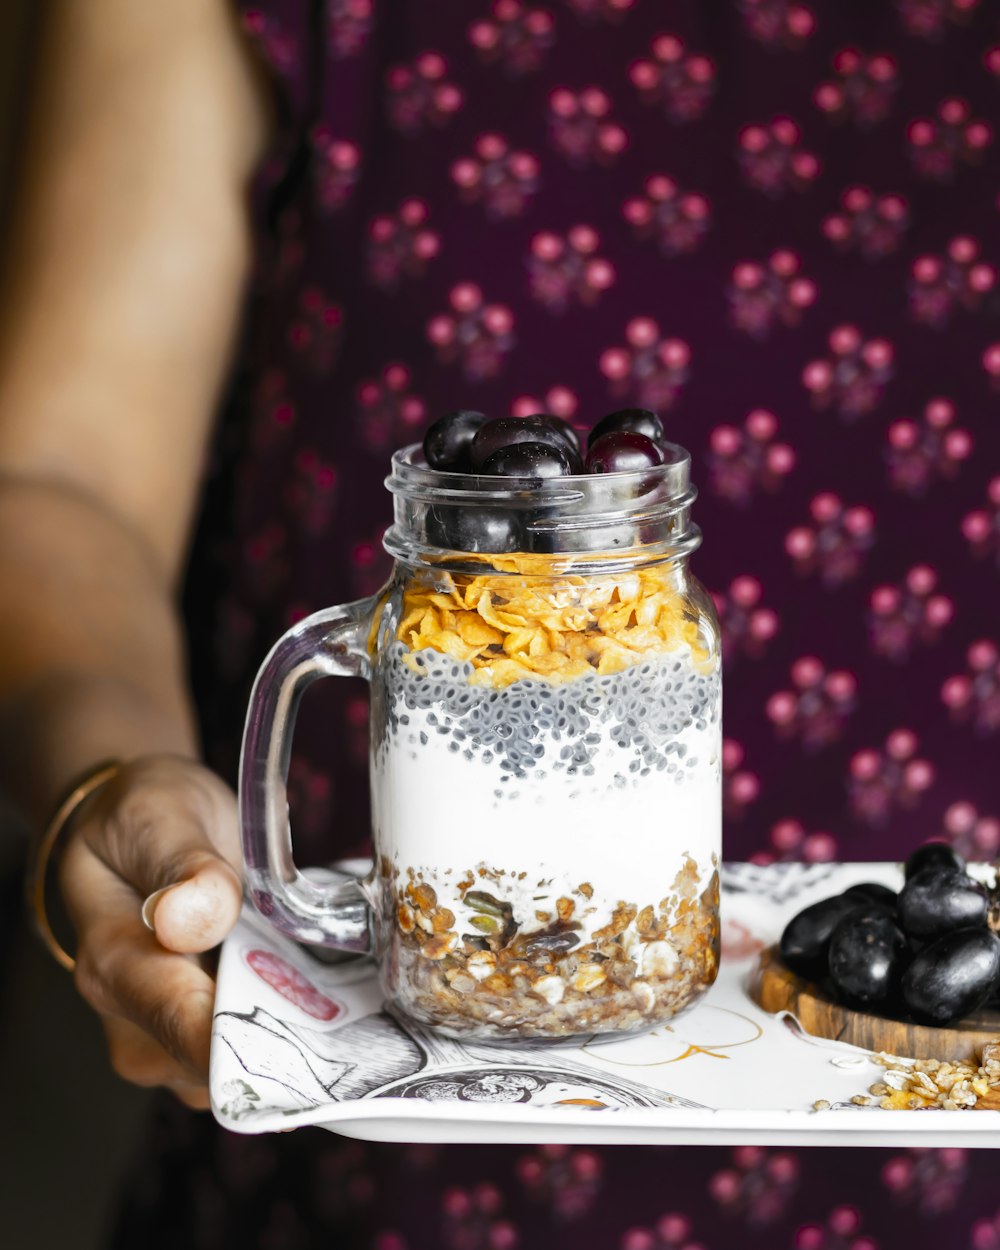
<point x="776" y="222"/>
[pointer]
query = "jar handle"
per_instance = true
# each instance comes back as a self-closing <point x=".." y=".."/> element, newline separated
<point x="330" y="643"/>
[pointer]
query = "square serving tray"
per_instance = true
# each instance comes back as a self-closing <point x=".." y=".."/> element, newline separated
<point x="298" y="1041"/>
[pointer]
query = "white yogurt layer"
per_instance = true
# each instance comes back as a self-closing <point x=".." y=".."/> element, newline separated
<point x="626" y="835"/>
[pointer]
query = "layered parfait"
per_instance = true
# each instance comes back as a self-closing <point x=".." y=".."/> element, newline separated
<point x="545" y="764"/>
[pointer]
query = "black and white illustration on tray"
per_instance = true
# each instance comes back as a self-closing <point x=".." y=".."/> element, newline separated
<point x="380" y="1057"/>
<point x="777" y="883"/>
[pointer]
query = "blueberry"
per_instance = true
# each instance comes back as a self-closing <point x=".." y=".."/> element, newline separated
<point x="630" y="421"/>
<point x="933" y="855"/>
<point x="873" y="892"/>
<point x="447" y="442"/>
<point x="532" y="460"/>
<point x="566" y="433"/>
<point x="953" y="976"/>
<point x="622" y="452"/>
<point x="507" y="431"/>
<point x="805" y="941"/>
<point x="867" y="956"/>
<point x="478" y="529"/>
<point x="602" y="538"/>
<point x="935" y="901"/>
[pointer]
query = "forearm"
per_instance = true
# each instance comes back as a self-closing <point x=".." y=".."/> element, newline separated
<point x="119" y="310"/>
<point x="91" y="650"/>
<point x="128" y="256"/>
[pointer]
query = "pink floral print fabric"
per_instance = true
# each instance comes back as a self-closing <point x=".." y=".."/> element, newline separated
<point x="776" y="223"/>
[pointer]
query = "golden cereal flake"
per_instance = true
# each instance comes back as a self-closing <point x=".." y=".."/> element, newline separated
<point x="477" y="632"/>
<point x="545" y="623"/>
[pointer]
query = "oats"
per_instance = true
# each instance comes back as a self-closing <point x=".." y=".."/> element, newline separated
<point x="442" y="920"/>
<point x="644" y="997"/>
<point x="423" y="895"/>
<point x="561" y="978"/>
<point x="645" y="921"/>
<point x="659" y="959"/>
<point x="551" y="988"/>
<point x="621" y="918"/>
<point x="481" y="963"/>
<point x="565" y="908"/>
<point x="460" y="981"/>
<point x="589" y="977"/>
<point x="440" y="946"/>
<point x="951" y="1085"/>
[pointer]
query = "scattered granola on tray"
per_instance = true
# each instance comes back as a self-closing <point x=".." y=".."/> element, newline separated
<point x="933" y="1084"/>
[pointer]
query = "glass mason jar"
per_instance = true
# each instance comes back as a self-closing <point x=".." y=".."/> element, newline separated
<point x="545" y="757"/>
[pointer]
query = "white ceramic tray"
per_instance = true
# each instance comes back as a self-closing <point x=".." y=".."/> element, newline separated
<point x="297" y="1041"/>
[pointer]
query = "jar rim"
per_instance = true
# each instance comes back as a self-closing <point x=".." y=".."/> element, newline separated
<point x="412" y="476"/>
<point x="598" y="519"/>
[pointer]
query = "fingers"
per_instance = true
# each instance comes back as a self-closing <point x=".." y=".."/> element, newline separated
<point x="137" y="1058"/>
<point x="168" y="996"/>
<point x="160" y="791"/>
<point x="123" y="970"/>
<point x="195" y="1096"/>
<point x="168" y="828"/>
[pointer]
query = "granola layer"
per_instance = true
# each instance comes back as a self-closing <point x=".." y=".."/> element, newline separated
<point x="556" y="973"/>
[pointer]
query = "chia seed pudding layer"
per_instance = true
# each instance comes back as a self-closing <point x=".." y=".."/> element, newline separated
<point x="536" y="726"/>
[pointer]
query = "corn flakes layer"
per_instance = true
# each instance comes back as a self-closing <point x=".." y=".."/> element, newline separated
<point x="521" y="624"/>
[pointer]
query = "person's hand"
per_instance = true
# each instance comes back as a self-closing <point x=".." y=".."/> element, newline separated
<point x="164" y="827"/>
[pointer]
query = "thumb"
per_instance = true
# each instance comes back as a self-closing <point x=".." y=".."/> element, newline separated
<point x="196" y="912"/>
<point x="168" y="829"/>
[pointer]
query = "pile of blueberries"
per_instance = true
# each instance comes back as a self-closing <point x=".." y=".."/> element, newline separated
<point x="543" y="446"/>
<point x="929" y="953"/>
<point x="532" y="449"/>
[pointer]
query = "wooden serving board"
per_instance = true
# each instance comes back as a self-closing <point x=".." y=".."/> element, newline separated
<point x="775" y="988"/>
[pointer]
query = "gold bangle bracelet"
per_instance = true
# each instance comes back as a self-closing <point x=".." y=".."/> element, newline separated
<point x="38" y="862"/>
